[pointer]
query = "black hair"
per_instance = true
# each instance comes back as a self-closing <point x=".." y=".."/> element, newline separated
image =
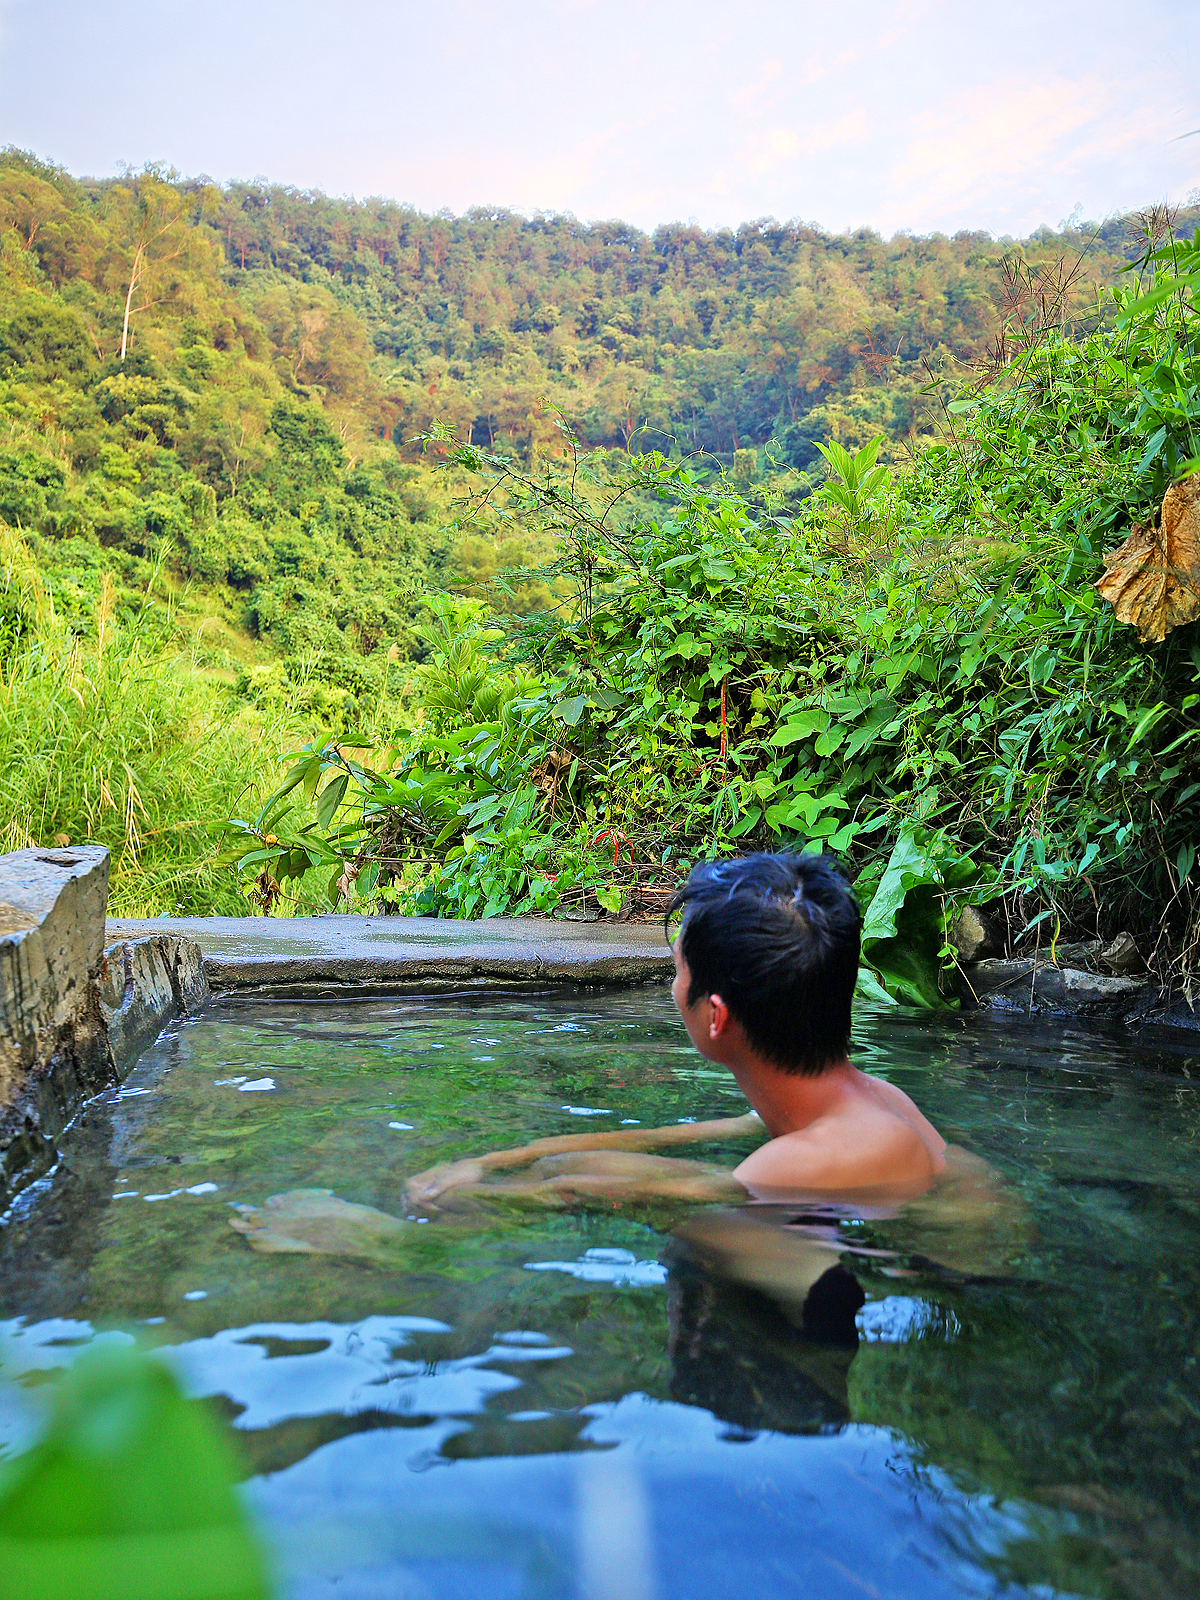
<point x="777" y="937"/>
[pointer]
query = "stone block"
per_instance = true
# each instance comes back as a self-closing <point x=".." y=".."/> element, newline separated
<point x="143" y="984"/>
<point x="73" y="1018"/>
<point x="52" y="905"/>
<point x="1085" y="955"/>
<point x="1037" y="987"/>
<point x="53" y="1045"/>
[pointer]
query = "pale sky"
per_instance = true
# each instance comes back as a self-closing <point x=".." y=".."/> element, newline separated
<point x="915" y="114"/>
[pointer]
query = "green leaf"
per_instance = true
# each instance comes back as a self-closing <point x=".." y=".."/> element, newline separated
<point x="904" y="927"/>
<point x="1157" y="441"/>
<point x="746" y="824"/>
<point x="129" y="1493"/>
<point x="610" y="897"/>
<point x="1146" y="721"/>
<point x="806" y="807"/>
<point x="1148" y="302"/>
<point x="719" y="571"/>
<point x="1184" y="862"/>
<point x="257" y="857"/>
<point x="571" y="710"/>
<point x="907" y="865"/>
<point x="607" y="699"/>
<point x="331" y="798"/>
<point x="801" y="726"/>
<point x="455" y="825"/>
<point x="909" y="965"/>
<point x="844" y="836"/>
<point x="310" y="776"/>
<point x="869" y="987"/>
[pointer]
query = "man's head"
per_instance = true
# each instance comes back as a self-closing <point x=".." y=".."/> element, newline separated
<point x="776" y="938"/>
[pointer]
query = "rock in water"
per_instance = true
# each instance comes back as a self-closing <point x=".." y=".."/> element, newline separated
<point x="316" y="1222"/>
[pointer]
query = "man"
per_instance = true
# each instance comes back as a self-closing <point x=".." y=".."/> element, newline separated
<point x="766" y="962"/>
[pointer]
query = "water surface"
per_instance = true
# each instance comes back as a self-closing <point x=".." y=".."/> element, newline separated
<point x="558" y="1405"/>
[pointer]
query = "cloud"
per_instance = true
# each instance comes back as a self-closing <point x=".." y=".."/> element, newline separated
<point x="750" y="96"/>
<point x="893" y="113"/>
<point x="1028" y="142"/>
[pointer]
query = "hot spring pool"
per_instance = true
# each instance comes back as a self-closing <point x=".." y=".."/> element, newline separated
<point x="549" y="1405"/>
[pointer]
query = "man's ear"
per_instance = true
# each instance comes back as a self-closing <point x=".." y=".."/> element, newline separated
<point x="719" y="1016"/>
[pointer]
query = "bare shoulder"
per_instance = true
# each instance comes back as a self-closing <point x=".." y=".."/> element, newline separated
<point x="874" y="1147"/>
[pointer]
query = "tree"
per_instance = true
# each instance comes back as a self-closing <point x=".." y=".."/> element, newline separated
<point x="158" y="214"/>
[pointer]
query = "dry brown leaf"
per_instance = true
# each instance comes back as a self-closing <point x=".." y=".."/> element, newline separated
<point x="1153" y="579"/>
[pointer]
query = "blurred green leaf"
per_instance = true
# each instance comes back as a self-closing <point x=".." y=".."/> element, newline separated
<point x="129" y="1495"/>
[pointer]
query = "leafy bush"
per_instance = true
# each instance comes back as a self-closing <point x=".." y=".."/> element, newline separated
<point x="913" y="669"/>
<point x="113" y="733"/>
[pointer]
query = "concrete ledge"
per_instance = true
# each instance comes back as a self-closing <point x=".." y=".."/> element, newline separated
<point x="307" y="953"/>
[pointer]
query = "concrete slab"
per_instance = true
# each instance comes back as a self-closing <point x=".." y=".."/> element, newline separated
<point x="380" y="952"/>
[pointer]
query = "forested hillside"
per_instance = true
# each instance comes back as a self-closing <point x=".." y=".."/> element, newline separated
<point x="719" y="341"/>
<point x="228" y="382"/>
<point x="149" y="411"/>
<point x="234" y="377"/>
<point x="221" y="538"/>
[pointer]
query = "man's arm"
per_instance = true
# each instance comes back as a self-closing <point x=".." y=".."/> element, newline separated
<point x="610" y="1175"/>
<point x="424" y="1188"/>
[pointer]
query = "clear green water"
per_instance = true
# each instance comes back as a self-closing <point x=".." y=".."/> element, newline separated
<point x="538" y="1407"/>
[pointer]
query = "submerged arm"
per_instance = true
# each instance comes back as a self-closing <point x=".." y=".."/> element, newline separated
<point x="616" y="1175"/>
<point x="425" y="1187"/>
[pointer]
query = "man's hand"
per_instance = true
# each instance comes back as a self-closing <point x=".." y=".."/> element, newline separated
<point x="426" y="1188"/>
<point x="581" y="1175"/>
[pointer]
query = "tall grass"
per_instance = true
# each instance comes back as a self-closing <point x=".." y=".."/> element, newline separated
<point x="112" y="732"/>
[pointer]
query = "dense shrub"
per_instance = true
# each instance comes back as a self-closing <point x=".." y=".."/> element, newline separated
<point x="916" y="671"/>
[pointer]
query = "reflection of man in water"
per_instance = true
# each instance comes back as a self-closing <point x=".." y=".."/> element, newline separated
<point x="755" y="1360"/>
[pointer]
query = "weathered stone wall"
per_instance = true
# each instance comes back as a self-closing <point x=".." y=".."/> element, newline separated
<point x="53" y="1043"/>
<point x="143" y="984"/>
<point x="73" y="1016"/>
